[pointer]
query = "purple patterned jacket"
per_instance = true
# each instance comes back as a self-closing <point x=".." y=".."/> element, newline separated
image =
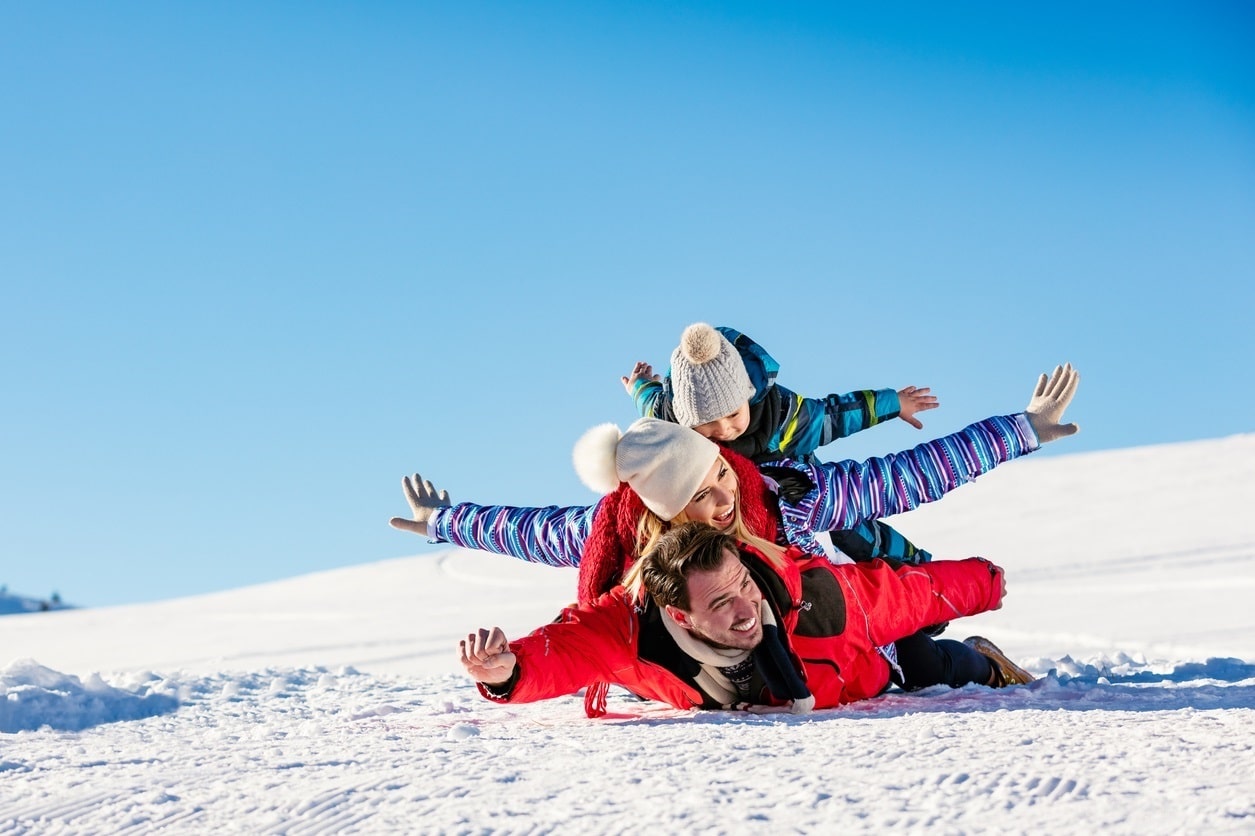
<point x="842" y="495"/>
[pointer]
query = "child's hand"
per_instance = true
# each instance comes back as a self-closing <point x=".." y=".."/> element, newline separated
<point x="914" y="400"/>
<point x="640" y="370"/>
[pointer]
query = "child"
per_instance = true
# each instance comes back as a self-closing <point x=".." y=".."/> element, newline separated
<point x="723" y="384"/>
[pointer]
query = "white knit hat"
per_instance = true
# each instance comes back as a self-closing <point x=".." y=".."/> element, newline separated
<point x="663" y="462"/>
<point x="708" y="377"/>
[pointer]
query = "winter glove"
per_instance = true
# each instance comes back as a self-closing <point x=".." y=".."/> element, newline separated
<point x="423" y="500"/>
<point x="1049" y="400"/>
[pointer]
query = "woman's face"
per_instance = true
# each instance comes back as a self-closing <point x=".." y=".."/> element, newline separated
<point x="714" y="503"/>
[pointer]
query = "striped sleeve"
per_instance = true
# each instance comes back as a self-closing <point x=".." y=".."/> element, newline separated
<point x="552" y="535"/>
<point x="848" y="492"/>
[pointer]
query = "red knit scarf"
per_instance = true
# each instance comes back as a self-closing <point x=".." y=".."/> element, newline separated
<point x="611" y="547"/>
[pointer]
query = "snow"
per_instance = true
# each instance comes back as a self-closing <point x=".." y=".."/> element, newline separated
<point x="334" y="701"/>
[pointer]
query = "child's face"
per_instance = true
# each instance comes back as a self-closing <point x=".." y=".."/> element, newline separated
<point x="729" y="427"/>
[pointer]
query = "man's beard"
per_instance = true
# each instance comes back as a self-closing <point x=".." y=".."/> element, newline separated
<point x="705" y="639"/>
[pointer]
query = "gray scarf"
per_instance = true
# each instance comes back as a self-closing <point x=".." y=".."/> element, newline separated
<point x="710" y="678"/>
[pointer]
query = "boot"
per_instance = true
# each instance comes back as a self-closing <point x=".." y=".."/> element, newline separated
<point x="1006" y="672"/>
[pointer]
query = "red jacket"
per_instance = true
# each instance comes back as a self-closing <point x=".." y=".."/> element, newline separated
<point x="833" y="619"/>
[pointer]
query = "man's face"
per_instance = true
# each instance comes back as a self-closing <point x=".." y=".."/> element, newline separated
<point x="725" y="606"/>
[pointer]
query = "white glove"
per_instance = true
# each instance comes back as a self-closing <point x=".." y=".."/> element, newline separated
<point x="1050" y="398"/>
<point x="423" y="500"/>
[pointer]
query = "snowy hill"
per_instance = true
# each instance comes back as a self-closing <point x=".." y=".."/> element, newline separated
<point x="334" y="701"/>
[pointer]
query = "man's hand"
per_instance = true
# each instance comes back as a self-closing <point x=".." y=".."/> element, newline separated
<point x="486" y="656"/>
<point x="911" y="401"/>
<point x="640" y="370"/>
<point x="1002" y="593"/>
<point x="1050" y="399"/>
<point x="423" y="499"/>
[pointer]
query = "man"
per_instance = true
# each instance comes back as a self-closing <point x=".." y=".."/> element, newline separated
<point x="717" y="624"/>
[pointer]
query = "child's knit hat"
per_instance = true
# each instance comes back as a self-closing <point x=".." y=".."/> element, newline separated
<point x="708" y="377"/>
<point x="663" y="462"/>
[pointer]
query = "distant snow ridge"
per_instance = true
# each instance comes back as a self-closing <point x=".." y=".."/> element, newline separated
<point x="11" y="604"/>
<point x="33" y="697"/>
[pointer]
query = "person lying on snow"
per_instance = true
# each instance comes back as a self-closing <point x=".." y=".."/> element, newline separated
<point x="708" y="622"/>
<point x="723" y="385"/>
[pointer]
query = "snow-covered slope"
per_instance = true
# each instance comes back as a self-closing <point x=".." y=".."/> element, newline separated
<point x="333" y="701"/>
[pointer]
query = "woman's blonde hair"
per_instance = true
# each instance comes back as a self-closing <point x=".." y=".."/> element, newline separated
<point x="651" y="527"/>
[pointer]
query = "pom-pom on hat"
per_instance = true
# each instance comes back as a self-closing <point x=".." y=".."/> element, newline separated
<point x="708" y="377"/>
<point x="664" y="463"/>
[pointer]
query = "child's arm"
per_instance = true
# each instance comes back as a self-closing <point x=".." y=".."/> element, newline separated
<point x="648" y="392"/>
<point x="810" y="423"/>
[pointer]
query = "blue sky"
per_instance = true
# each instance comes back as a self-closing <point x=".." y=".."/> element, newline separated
<point x="261" y="260"/>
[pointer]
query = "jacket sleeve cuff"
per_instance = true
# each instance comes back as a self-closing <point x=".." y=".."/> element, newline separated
<point x="1032" y="442"/>
<point x="500" y="692"/>
<point x="888" y="404"/>
<point x="436" y="525"/>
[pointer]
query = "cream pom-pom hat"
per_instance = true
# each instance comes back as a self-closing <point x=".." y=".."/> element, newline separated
<point x="708" y="377"/>
<point x="663" y="462"/>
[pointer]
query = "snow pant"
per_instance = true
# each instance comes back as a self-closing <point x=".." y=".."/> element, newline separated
<point x="927" y="661"/>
